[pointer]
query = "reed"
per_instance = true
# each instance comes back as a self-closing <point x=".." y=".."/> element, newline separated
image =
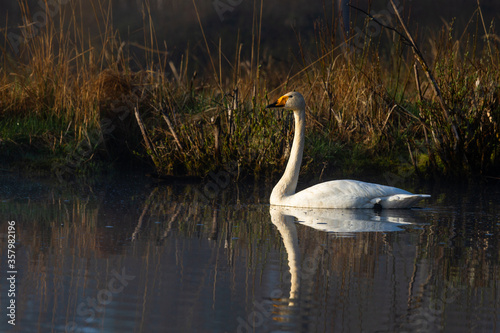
<point x="467" y="140"/>
<point x="71" y="100"/>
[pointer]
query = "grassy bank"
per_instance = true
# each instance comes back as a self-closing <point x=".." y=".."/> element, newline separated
<point x="73" y="104"/>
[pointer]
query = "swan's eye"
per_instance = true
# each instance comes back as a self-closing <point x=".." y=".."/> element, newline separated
<point x="290" y="96"/>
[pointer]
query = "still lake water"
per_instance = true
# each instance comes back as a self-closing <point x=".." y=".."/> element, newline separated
<point x="130" y="255"/>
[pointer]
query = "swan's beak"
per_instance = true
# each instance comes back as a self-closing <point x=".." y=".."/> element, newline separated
<point x="279" y="103"/>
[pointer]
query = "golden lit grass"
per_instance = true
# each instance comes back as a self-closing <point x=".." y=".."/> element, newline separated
<point x="88" y="101"/>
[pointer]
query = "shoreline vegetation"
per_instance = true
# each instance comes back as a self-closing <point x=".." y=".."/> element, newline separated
<point x="72" y="105"/>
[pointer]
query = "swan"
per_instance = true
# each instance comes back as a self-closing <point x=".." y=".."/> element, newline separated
<point x="332" y="194"/>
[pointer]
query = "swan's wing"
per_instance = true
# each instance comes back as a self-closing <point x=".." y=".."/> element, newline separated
<point x="353" y="194"/>
<point x="402" y="200"/>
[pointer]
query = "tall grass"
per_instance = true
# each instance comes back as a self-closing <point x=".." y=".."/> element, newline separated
<point x="93" y="100"/>
<point x="469" y="80"/>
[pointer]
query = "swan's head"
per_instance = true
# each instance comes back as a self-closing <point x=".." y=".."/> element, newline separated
<point x="292" y="101"/>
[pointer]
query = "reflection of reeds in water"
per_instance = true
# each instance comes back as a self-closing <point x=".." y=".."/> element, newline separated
<point x="70" y="252"/>
<point x="67" y="254"/>
<point x="406" y="270"/>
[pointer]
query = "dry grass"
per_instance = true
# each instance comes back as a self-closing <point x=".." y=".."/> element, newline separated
<point x="83" y="92"/>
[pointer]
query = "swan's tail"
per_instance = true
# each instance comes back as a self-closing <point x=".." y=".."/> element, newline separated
<point x="398" y="201"/>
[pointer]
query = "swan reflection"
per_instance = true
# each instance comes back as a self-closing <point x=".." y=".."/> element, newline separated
<point x="338" y="221"/>
<point x="346" y="221"/>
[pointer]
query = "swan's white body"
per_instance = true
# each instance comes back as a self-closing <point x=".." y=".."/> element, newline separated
<point x="332" y="194"/>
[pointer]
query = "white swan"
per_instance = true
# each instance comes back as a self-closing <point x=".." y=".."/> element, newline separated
<point x="332" y="194"/>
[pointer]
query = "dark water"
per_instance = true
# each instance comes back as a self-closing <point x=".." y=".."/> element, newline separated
<point x="128" y="255"/>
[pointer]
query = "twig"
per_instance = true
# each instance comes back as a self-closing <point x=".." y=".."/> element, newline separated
<point x="485" y="31"/>
<point x="148" y="142"/>
<point x="230" y="112"/>
<point x="403" y="37"/>
<point x="217" y="79"/>
<point x="171" y="128"/>
<point x="417" y="82"/>
<point x="408" y="39"/>
<point x="287" y="81"/>
<point x="430" y="77"/>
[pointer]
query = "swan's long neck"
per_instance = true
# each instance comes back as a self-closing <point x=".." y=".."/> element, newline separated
<point x="288" y="182"/>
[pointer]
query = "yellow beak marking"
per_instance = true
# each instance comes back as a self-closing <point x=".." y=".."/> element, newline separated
<point x="279" y="103"/>
<point x="282" y="101"/>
